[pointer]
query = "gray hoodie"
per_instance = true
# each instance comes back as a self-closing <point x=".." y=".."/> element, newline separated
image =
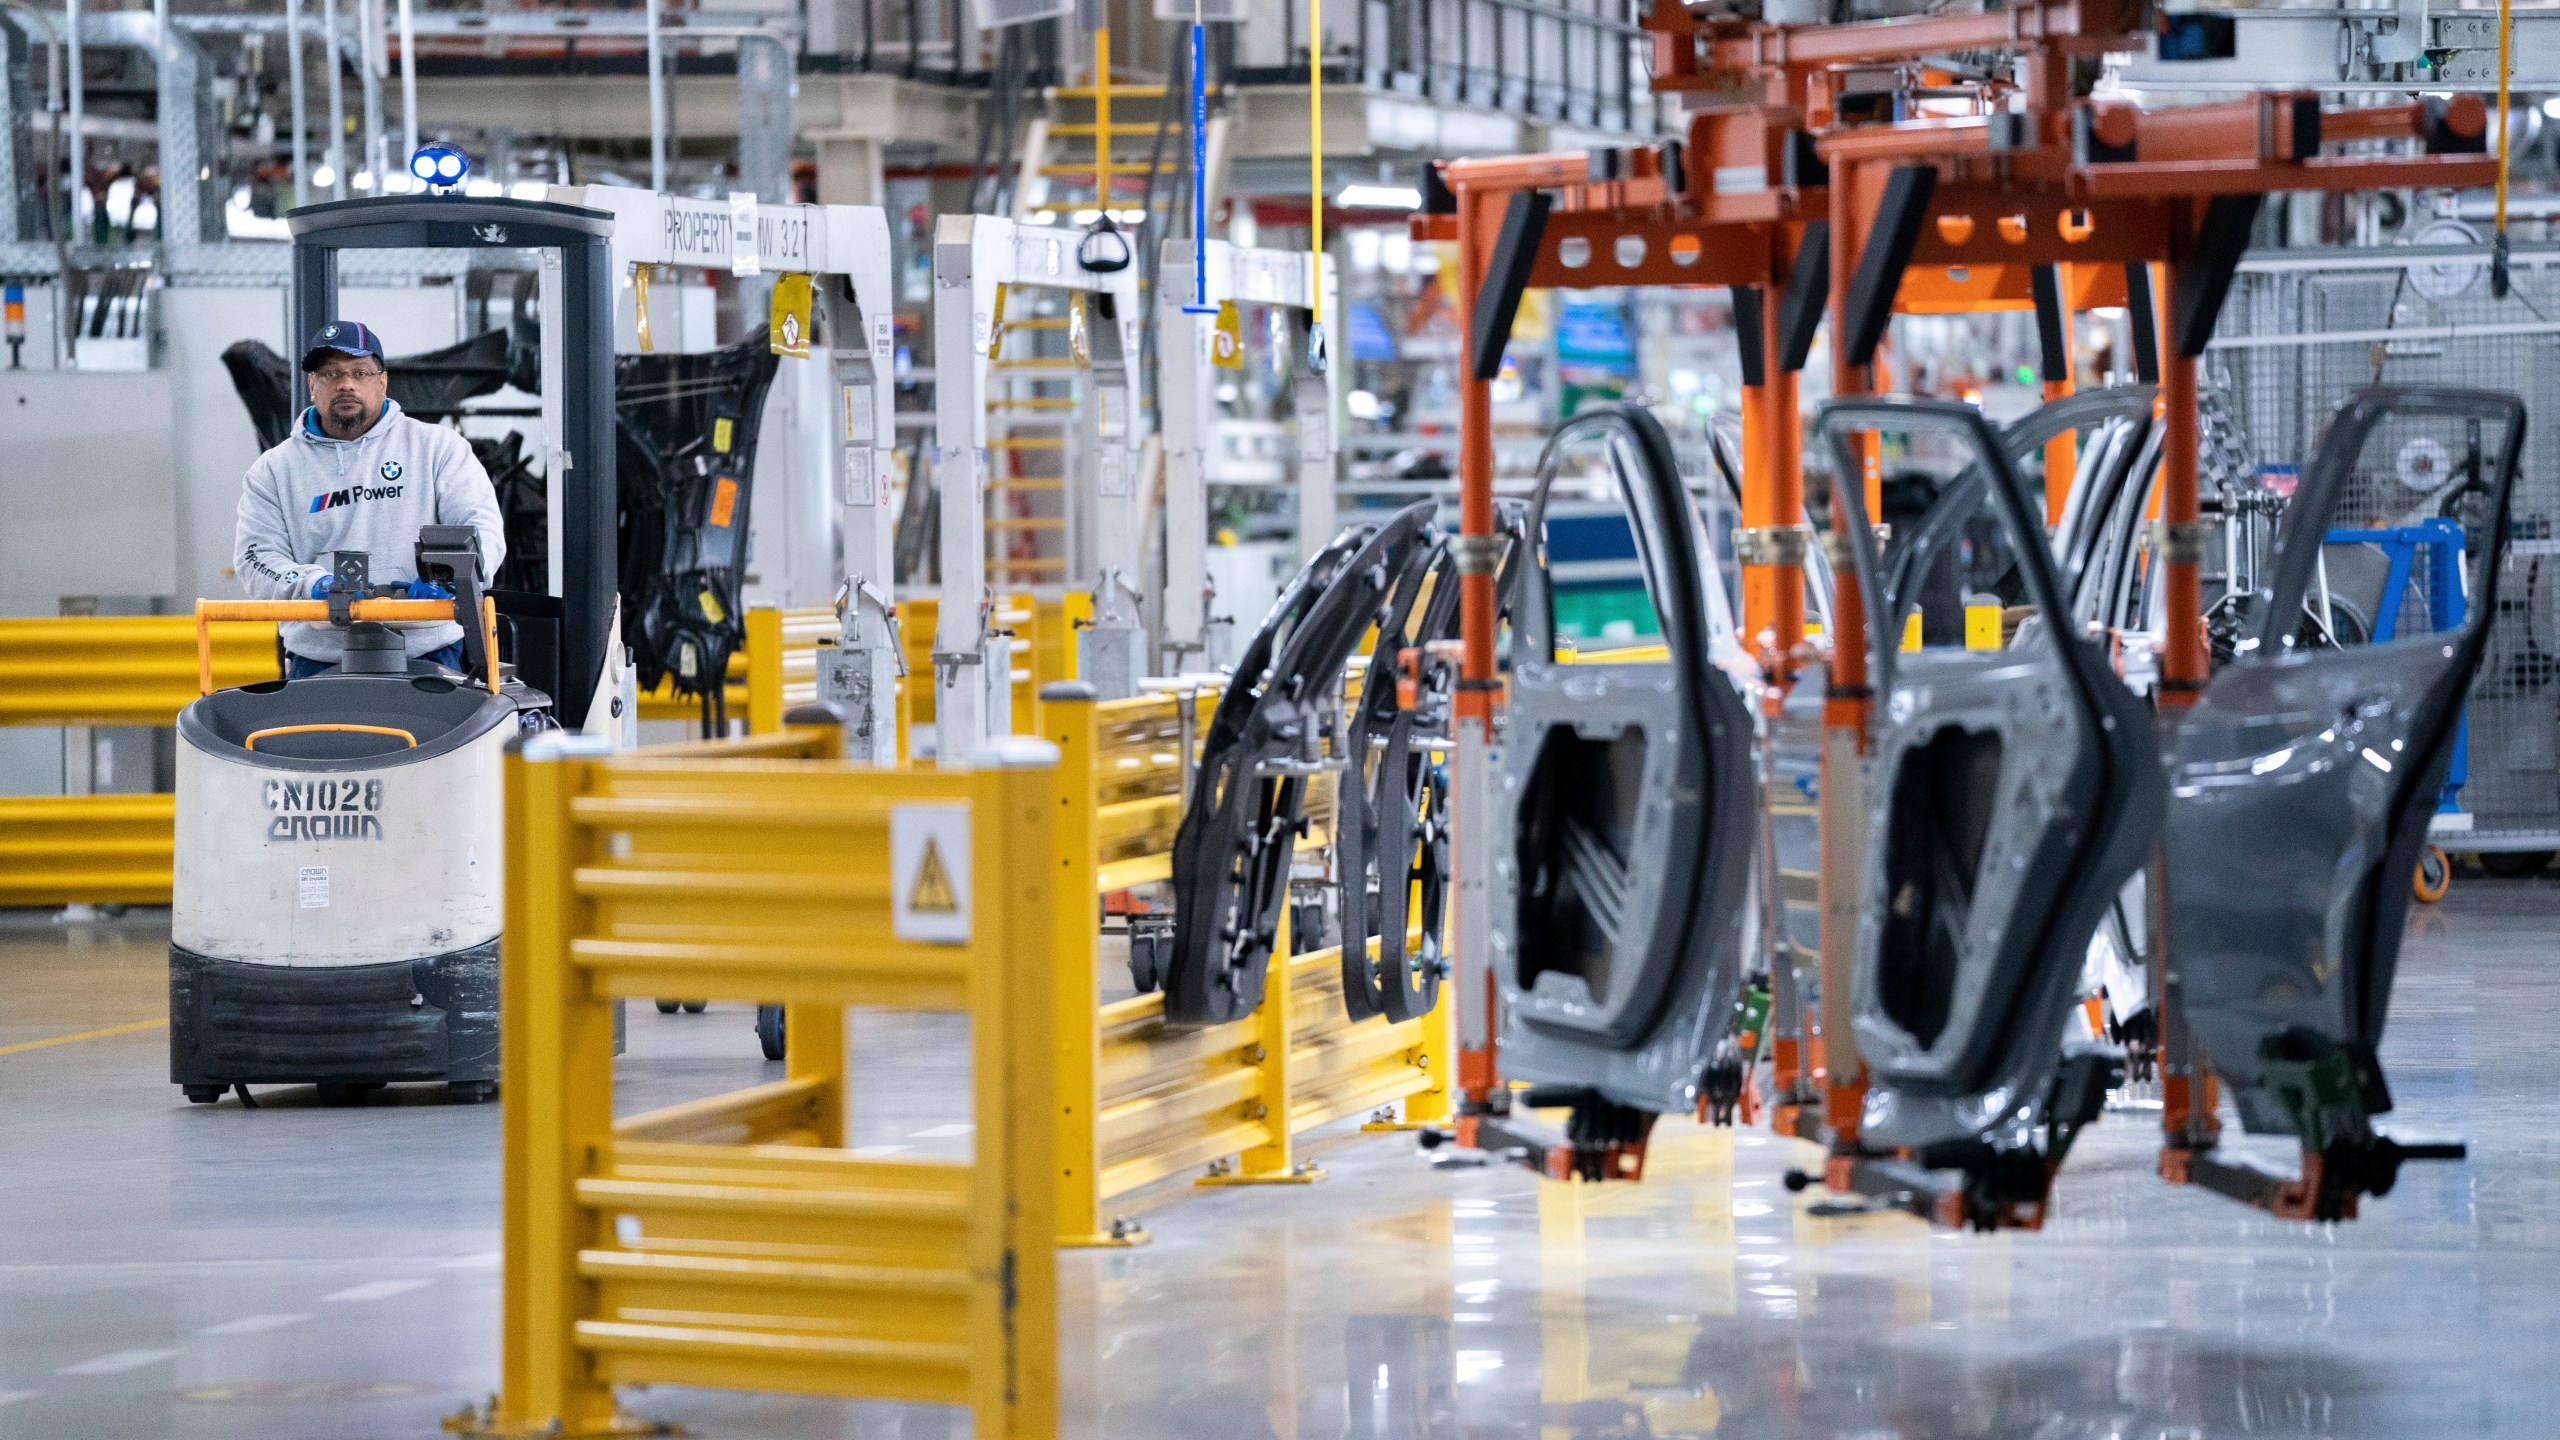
<point x="314" y="495"/>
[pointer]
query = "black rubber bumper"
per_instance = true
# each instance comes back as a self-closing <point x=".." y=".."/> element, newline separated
<point x="232" y="1023"/>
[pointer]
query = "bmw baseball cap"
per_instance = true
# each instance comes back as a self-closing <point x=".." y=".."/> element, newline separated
<point x="341" y="337"/>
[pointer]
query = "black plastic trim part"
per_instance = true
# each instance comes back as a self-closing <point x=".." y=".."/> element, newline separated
<point x="1437" y="197"/>
<point x="1515" y="251"/>
<point x="1800" y="164"/>
<point x="2304" y="132"/>
<point x="232" y="1022"/>
<point x="1750" y="335"/>
<point x="2204" y="275"/>
<point x="2142" y="314"/>
<point x="1868" y="307"/>
<point x="1807" y="294"/>
<point x="2053" y="343"/>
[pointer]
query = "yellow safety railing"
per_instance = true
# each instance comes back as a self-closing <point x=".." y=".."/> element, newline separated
<point x="1140" y="1101"/>
<point x="777" y="668"/>
<point x="735" y="1242"/>
<point x="105" y="670"/>
<point x="87" y="849"/>
<point x="120" y="669"/>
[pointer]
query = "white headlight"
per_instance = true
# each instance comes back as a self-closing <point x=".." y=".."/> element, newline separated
<point x="423" y="166"/>
<point x="450" y="167"/>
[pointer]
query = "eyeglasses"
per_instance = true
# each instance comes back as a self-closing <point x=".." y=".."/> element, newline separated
<point x="335" y="375"/>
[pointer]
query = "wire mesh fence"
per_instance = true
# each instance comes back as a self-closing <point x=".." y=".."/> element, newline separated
<point x="2296" y="338"/>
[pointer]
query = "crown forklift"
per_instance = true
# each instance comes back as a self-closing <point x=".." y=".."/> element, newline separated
<point x="340" y="873"/>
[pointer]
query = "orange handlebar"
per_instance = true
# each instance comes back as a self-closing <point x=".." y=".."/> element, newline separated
<point x="390" y="611"/>
<point x="257" y="735"/>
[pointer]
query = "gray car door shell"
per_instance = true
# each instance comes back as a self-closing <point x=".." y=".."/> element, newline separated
<point x="2077" y="802"/>
<point x="2302" y="785"/>
<point x="1682" y="832"/>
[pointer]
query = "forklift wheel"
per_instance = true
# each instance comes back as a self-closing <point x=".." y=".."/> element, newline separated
<point x="696" y="1007"/>
<point x="668" y="1007"/>
<point x="205" y="1094"/>
<point x="2434" y="877"/>
<point x="769" y="1031"/>
<point x="471" y="1092"/>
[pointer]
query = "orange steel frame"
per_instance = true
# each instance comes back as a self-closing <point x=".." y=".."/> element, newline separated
<point x="2092" y="186"/>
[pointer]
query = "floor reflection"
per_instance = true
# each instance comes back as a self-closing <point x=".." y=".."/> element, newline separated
<point x="1710" y="1302"/>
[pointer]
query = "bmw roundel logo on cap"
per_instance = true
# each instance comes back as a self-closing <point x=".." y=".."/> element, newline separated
<point x="390" y="469"/>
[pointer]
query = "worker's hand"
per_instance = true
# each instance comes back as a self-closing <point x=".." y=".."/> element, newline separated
<point x="320" y="587"/>
<point x="428" y="590"/>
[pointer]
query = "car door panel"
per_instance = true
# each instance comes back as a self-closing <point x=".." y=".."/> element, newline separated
<point x="2303" y="781"/>
<point x="1623" y="899"/>
<point x="2013" y="791"/>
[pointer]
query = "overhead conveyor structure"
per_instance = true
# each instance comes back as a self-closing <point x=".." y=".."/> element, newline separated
<point x="977" y="260"/>
<point x="846" y="247"/>
<point x="1188" y="313"/>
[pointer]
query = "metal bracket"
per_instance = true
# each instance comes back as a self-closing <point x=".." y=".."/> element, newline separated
<point x="1771" y="544"/>
<point x="1476" y="554"/>
<point x="1835" y="546"/>
<point x="2182" y="544"/>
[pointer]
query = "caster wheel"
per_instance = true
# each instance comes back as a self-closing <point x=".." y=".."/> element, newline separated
<point x="205" y="1094"/>
<point x="1797" y="1181"/>
<point x="669" y="1007"/>
<point x="696" y="1007"/>
<point x="471" y="1092"/>
<point x="2434" y="877"/>
<point x="769" y="1031"/>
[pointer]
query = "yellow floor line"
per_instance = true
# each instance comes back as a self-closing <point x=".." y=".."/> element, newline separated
<point x="85" y="1035"/>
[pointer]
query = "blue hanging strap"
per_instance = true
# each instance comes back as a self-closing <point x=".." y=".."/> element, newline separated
<point x="1199" y="173"/>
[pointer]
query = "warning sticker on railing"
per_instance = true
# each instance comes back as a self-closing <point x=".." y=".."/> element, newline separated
<point x="929" y="873"/>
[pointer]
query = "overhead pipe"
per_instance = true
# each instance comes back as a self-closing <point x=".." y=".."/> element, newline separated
<point x="657" y="101"/>
<point x="369" y="18"/>
<point x="337" y="102"/>
<point x="79" y="181"/>
<point x="293" y="77"/>
<point x="408" y="87"/>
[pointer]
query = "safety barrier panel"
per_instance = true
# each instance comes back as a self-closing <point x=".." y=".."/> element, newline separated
<point x="105" y="670"/>
<point x="734" y="1242"/>
<point x="1140" y="1101"/>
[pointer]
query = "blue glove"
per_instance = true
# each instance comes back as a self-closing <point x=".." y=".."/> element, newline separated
<point x="428" y="590"/>
<point x="320" y="587"/>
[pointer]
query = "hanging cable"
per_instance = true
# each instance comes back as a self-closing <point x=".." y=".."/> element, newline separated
<point x="1317" y="357"/>
<point x="1199" y="168"/>
<point x="2499" y="279"/>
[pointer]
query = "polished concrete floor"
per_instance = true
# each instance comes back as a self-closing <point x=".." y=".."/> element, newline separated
<point x="296" y="1272"/>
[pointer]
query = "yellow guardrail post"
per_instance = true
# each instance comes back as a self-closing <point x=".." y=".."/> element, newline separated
<point x="1016" y="1270"/>
<point x="556" y="1060"/>
<point x="1067" y="712"/>
<point x="1274" y="1040"/>
<point x="764" y="671"/>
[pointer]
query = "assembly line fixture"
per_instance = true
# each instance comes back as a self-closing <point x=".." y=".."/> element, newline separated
<point x="2058" y="180"/>
<point x="846" y="247"/>
<point x="1188" y="409"/>
<point x="975" y="259"/>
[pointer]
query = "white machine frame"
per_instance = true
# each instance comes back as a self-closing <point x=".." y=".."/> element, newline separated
<point x="974" y="258"/>
<point x="859" y="331"/>
<point x="1246" y="276"/>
